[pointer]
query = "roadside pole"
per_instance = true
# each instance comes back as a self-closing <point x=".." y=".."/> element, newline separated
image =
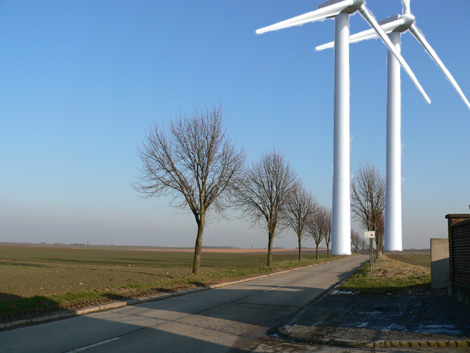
<point x="370" y="235"/>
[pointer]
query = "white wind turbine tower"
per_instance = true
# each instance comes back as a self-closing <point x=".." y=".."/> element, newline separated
<point x="394" y="26"/>
<point x="340" y="11"/>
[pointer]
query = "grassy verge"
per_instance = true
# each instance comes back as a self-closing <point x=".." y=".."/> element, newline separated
<point x="389" y="275"/>
<point x="36" y="280"/>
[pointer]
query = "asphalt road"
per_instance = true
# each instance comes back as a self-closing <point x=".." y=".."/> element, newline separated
<point x="234" y="318"/>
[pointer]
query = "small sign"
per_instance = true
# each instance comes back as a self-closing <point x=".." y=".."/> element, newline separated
<point x="369" y="234"/>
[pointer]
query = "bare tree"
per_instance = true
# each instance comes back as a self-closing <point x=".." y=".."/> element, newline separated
<point x="379" y="235"/>
<point x="300" y="207"/>
<point x="319" y="227"/>
<point x="263" y="195"/>
<point x="355" y="240"/>
<point x="327" y="220"/>
<point x="362" y="244"/>
<point x="314" y="229"/>
<point x="368" y="200"/>
<point x="195" y="162"/>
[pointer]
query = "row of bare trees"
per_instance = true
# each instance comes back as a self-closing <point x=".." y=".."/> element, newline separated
<point x="196" y="163"/>
<point x="307" y="218"/>
<point x="273" y="196"/>
<point x="358" y="242"/>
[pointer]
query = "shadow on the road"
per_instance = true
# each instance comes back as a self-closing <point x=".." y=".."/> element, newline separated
<point x="218" y="320"/>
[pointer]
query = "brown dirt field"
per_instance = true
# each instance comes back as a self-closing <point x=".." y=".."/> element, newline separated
<point x="238" y="251"/>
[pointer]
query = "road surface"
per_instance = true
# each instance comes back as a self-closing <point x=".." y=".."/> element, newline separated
<point x="234" y="318"/>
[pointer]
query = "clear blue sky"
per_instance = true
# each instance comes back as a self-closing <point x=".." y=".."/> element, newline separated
<point x="82" y="80"/>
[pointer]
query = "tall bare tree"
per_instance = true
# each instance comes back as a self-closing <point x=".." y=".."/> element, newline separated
<point x="355" y="240"/>
<point x="368" y="200"/>
<point x="315" y="229"/>
<point x="300" y="207"/>
<point x="319" y="227"/>
<point x="263" y="195"/>
<point x="327" y="220"/>
<point x="195" y="162"/>
<point x="362" y="244"/>
<point x="379" y="235"/>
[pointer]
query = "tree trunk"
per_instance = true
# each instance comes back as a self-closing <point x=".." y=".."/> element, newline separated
<point x="328" y="250"/>
<point x="377" y="248"/>
<point x="198" y="246"/>
<point x="316" y="252"/>
<point x="270" y="249"/>
<point x="300" y="247"/>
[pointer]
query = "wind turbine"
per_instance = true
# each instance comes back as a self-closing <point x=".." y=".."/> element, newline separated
<point x="394" y="26"/>
<point x="340" y="11"/>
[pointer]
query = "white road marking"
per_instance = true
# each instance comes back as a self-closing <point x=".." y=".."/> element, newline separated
<point x="93" y="345"/>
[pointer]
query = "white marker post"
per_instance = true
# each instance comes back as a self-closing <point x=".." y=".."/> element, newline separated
<point x="371" y="236"/>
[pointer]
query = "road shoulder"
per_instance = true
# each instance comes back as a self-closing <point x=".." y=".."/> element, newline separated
<point x="414" y="319"/>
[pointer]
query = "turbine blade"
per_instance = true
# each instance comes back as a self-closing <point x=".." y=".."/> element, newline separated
<point x="406" y="6"/>
<point x="388" y="27"/>
<point x="421" y="39"/>
<point x="313" y="16"/>
<point x="364" y="11"/>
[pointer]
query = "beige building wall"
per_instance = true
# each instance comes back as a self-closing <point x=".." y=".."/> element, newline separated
<point x="439" y="262"/>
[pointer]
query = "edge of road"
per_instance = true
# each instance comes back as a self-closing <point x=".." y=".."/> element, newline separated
<point x="122" y="303"/>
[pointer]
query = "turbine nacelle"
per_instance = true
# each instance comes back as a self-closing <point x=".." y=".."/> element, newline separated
<point x="408" y="20"/>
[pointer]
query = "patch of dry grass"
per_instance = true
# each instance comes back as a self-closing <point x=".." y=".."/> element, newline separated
<point x="388" y="275"/>
<point x="395" y="268"/>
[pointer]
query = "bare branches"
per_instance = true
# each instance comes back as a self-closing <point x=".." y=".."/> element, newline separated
<point x="368" y="200"/>
<point x="319" y="227"/>
<point x="264" y="194"/>
<point x="194" y="162"/>
<point x="327" y="220"/>
<point x="368" y="196"/>
<point x="265" y="191"/>
<point x="355" y="240"/>
<point x="300" y="207"/>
